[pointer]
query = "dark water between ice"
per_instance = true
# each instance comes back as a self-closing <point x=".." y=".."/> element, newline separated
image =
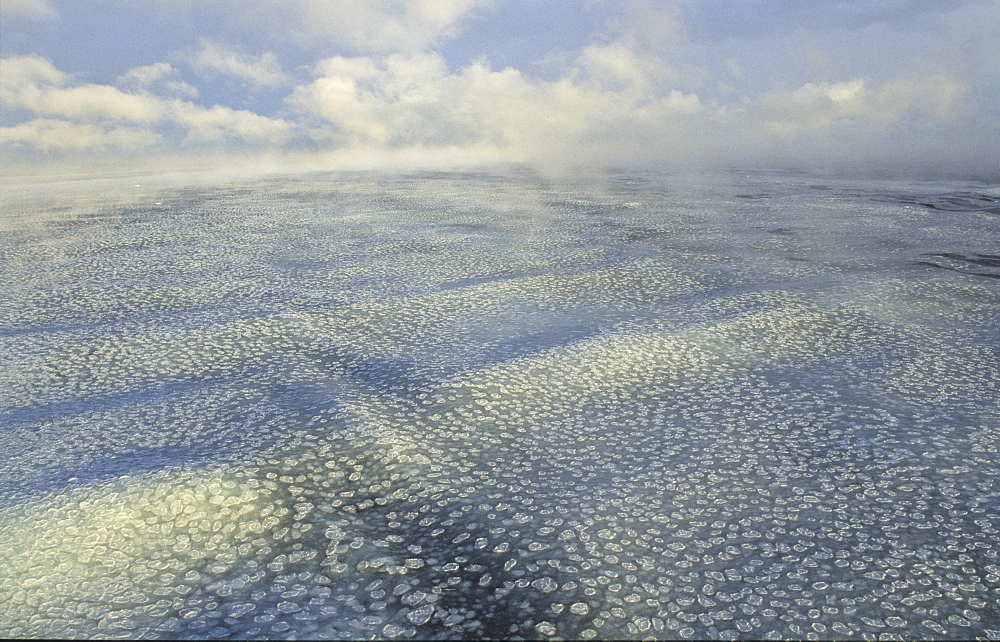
<point x="463" y="405"/>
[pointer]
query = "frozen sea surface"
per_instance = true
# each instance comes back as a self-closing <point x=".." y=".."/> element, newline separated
<point x="462" y="405"/>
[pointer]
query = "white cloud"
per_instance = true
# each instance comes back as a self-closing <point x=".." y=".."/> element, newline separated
<point x="813" y="105"/>
<point x="363" y="26"/>
<point x="46" y="134"/>
<point x="22" y="71"/>
<point x="618" y="66"/>
<point x="95" y="102"/>
<point x="30" y="9"/>
<point x="937" y="96"/>
<point x="398" y="100"/>
<point x="213" y="59"/>
<point x="414" y="100"/>
<point x="381" y="26"/>
<point x="876" y="107"/>
<point x="613" y="97"/>
<point x="34" y="84"/>
<point x="91" y="116"/>
<point x="159" y="77"/>
<point x="145" y="75"/>
<point x="220" y="123"/>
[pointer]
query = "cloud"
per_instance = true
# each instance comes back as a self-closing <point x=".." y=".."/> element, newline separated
<point x="93" y="102"/>
<point x="158" y="76"/>
<point x="414" y="100"/>
<point x="393" y="101"/>
<point x="213" y="59"/>
<point x="222" y="123"/>
<point x="34" y="84"/>
<point x="41" y="10"/>
<point x="357" y="26"/>
<point x="145" y="75"/>
<point x="620" y="67"/>
<point x="74" y="116"/>
<point x="21" y="71"/>
<point x="387" y="25"/>
<point x="612" y="100"/>
<point x="818" y="107"/>
<point x="48" y="135"/>
<point x="724" y="19"/>
<point x="813" y="106"/>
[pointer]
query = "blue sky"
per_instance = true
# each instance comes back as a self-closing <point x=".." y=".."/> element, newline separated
<point x="373" y="82"/>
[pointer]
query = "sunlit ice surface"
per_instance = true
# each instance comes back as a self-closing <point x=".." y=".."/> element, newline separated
<point x="639" y="405"/>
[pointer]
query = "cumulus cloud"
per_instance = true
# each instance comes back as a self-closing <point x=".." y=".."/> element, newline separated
<point x="34" y="84"/>
<point x="813" y="106"/>
<point x="78" y="116"/>
<point x="92" y="102"/>
<point x="414" y="100"/>
<point x="382" y="26"/>
<point x="22" y="71"/>
<point x="904" y="121"/>
<point x="160" y="77"/>
<point x="30" y="9"/>
<point x="213" y="59"/>
<point x="393" y="101"/>
<point x="620" y="67"/>
<point x="871" y="107"/>
<point x="362" y="26"/>
<point x="223" y="123"/>
<point x="47" y="135"/>
<point x="145" y="75"/>
<point x="613" y="100"/>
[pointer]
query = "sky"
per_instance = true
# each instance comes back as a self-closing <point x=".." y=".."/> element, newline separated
<point x="558" y="83"/>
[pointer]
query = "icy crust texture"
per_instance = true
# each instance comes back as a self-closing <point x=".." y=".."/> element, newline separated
<point x="463" y="406"/>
